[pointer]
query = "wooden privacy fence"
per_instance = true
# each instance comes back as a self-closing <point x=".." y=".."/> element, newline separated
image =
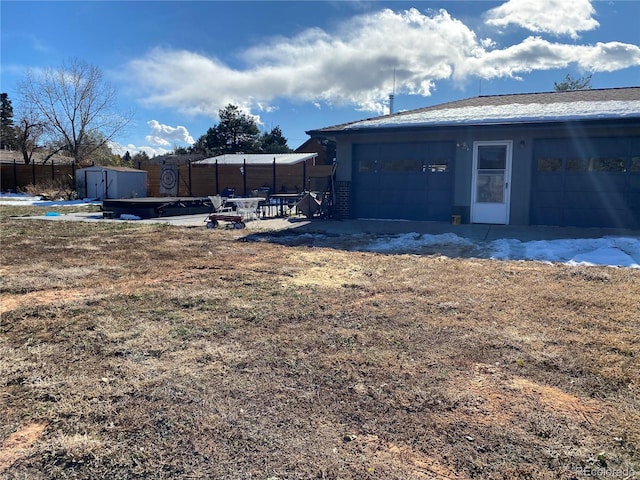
<point x="193" y="179"/>
<point x="202" y="180"/>
<point x="16" y="176"/>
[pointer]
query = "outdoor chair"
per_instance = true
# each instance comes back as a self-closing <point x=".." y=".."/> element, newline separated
<point x="219" y="204"/>
<point x="263" y="206"/>
<point x="228" y="192"/>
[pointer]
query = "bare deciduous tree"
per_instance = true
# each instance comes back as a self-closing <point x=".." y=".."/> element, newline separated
<point x="75" y="105"/>
<point x="27" y="134"/>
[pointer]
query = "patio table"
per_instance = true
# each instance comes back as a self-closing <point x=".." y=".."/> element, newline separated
<point x="246" y="207"/>
<point x="283" y="199"/>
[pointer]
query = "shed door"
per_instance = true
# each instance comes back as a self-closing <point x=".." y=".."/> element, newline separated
<point x="96" y="184"/>
<point x="490" y="183"/>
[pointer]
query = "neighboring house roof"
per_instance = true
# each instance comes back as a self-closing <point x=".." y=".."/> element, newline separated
<point x="114" y="169"/>
<point x="257" y="159"/>
<point x="613" y="103"/>
<point x="323" y="147"/>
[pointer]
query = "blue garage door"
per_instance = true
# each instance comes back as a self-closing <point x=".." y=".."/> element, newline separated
<point x="586" y="182"/>
<point x="410" y="181"/>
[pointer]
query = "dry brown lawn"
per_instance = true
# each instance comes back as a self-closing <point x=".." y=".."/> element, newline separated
<point x="137" y="351"/>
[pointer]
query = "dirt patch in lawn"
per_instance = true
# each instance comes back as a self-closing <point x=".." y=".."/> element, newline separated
<point x="18" y="443"/>
<point x="168" y="352"/>
<point x="46" y="297"/>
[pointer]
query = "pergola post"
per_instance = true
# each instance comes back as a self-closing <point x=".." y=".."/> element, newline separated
<point x="274" y="175"/>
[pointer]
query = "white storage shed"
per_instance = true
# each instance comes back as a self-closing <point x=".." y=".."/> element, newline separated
<point x="102" y="182"/>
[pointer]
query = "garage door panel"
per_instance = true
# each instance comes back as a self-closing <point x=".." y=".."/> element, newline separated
<point x="633" y="206"/>
<point x="549" y="182"/>
<point x="633" y="199"/>
<point x="582" y="217"/>
<point x="392" y="193"/>
<point x="365" y="196"/>
<point x="605" y="192"/>
<point x="548" y="199"/>
<point x="440" y="198"/>
<point x="439" y="213"/>
<point x="368" y="208"/>
<point x="595" y="182"/>
<point x="439" y="181"/>
<point x="411" y="181"/>
<point x="414" y="197"/>
<point x="388" y="210"/>
<point x="634" y="218"/>
<point x="595" y="200"/>
<point x="633" y="182"/>
<point x="393" y="197"/>
<point x="547" y="216"/>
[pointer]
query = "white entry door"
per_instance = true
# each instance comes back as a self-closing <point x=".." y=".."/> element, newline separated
<point x="490" y="192"/>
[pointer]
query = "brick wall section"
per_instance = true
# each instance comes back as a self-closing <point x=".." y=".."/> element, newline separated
<point x="343" y="200"/>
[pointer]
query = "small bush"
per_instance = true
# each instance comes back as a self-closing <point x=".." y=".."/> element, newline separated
<point x="58" y="189"/>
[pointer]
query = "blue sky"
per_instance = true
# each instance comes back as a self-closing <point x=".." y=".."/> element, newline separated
<point x="302" y="65"/>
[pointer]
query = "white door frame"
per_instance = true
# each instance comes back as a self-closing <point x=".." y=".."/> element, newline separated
<point x="487" y="211"/>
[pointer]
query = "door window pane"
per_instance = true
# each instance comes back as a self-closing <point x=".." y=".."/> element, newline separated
<point x="492" y="157"/>
<point x="549" y="164"/>
<point x="490" y="187"/>
<point x="577" y="164"/>
<point x="366" y="165"/>
<point x="607" y="164"/>
<point x="401" y="165"/>
<point x="439" y="165"/>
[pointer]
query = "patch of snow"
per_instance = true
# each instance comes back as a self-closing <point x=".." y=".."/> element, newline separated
<point x="610" y="251"/>
<point x="605" y="256"/>
<point x="19" y="199"/>
<point x="415" y="241"/>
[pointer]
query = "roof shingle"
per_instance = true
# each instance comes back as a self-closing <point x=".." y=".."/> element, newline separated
<point x="512" y="108"/>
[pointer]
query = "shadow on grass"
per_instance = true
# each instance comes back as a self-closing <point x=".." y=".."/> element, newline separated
<point x="446" y="244"/>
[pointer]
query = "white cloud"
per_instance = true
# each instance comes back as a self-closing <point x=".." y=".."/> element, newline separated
<point x="266" y="108"/>
<point x="355" y="64"/>
<point x="133" y="149"/>
<point x="535" y="53"/>
<point x="557" y="17"/>
<point x="166" y="136"/>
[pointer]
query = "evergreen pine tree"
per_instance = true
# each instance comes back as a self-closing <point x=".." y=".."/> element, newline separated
<point x="7" y="128"/>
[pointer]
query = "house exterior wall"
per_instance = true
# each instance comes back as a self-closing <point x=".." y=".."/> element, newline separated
<point x="520" y="170"/>
<point x="523" y="172"/>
